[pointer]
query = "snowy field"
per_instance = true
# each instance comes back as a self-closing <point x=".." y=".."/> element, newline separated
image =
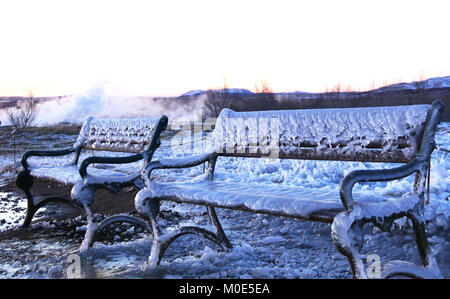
<point x="264" y="246"/>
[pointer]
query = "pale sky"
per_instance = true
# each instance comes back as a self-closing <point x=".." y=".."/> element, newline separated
<point x="170" y="47"/>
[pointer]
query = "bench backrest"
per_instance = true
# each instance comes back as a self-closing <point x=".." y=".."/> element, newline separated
<point x="117" y="135"/>
<point x="375" y="134"/>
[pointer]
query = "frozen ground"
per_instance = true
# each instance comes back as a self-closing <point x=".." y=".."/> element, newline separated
<point x="264" y="246"/>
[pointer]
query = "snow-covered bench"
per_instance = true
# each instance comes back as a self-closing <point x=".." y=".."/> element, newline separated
<point x="402" y="134"/>
<point x="141" y="137"/>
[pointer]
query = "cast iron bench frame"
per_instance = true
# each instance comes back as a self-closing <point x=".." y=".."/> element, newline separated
<point x="346" y="228"/>
<point x="82" y="194"/>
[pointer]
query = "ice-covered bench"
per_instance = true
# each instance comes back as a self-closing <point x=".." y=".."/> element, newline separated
<point x="140" y="137"/>
<point x="402" y="134"/>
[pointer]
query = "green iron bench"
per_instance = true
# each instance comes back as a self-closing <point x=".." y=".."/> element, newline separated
<point x="140" y="137"/>
<point x="400" y="134"/>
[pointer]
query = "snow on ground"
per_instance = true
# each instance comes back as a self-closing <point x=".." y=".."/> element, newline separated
<point x="264" y="246"/>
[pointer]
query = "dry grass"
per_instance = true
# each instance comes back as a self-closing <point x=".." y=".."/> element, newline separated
<point x="56" y="129"/>
<point x="35" y="138"/>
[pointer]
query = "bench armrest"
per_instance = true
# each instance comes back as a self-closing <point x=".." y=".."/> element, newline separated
<point x="53" y="153"/>
<point x="182" y="162"/>
<point x="373" y="175"/>
<point x="107" y="160"/>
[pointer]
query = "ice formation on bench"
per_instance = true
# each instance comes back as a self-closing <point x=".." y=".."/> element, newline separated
<point x="379" y="134"/>
<point x="119" y="135"/>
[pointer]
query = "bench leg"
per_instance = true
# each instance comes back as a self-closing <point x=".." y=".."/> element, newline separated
<point x="32" y="209"/>
<point x="430" y="268"/>
<point x="348" y="238"/>
<point x="25" y="181"/>
<point x="421" y="238"/>
<point x="219" y="230"/>
<point x="162" y="241"/>
<point x="90" y="229"/>
<point x="83" y="193"/>
<point x="115" y="219"/>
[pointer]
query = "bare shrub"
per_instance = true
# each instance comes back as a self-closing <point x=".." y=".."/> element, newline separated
<point x="337" y="88"/>
<point x="24" y="114"/>
<point x="216" y="101"/>
<point x="263" y="87"/>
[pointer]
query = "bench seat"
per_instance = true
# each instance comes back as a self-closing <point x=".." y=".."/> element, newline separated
<point x="70" y="174"/>
<point x="318" y="204"/>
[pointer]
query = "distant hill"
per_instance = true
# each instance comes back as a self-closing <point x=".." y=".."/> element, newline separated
<point x="231" y="91"/>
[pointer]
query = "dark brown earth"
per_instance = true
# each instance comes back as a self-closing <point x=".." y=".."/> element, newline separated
<point x="105" y="203"/>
